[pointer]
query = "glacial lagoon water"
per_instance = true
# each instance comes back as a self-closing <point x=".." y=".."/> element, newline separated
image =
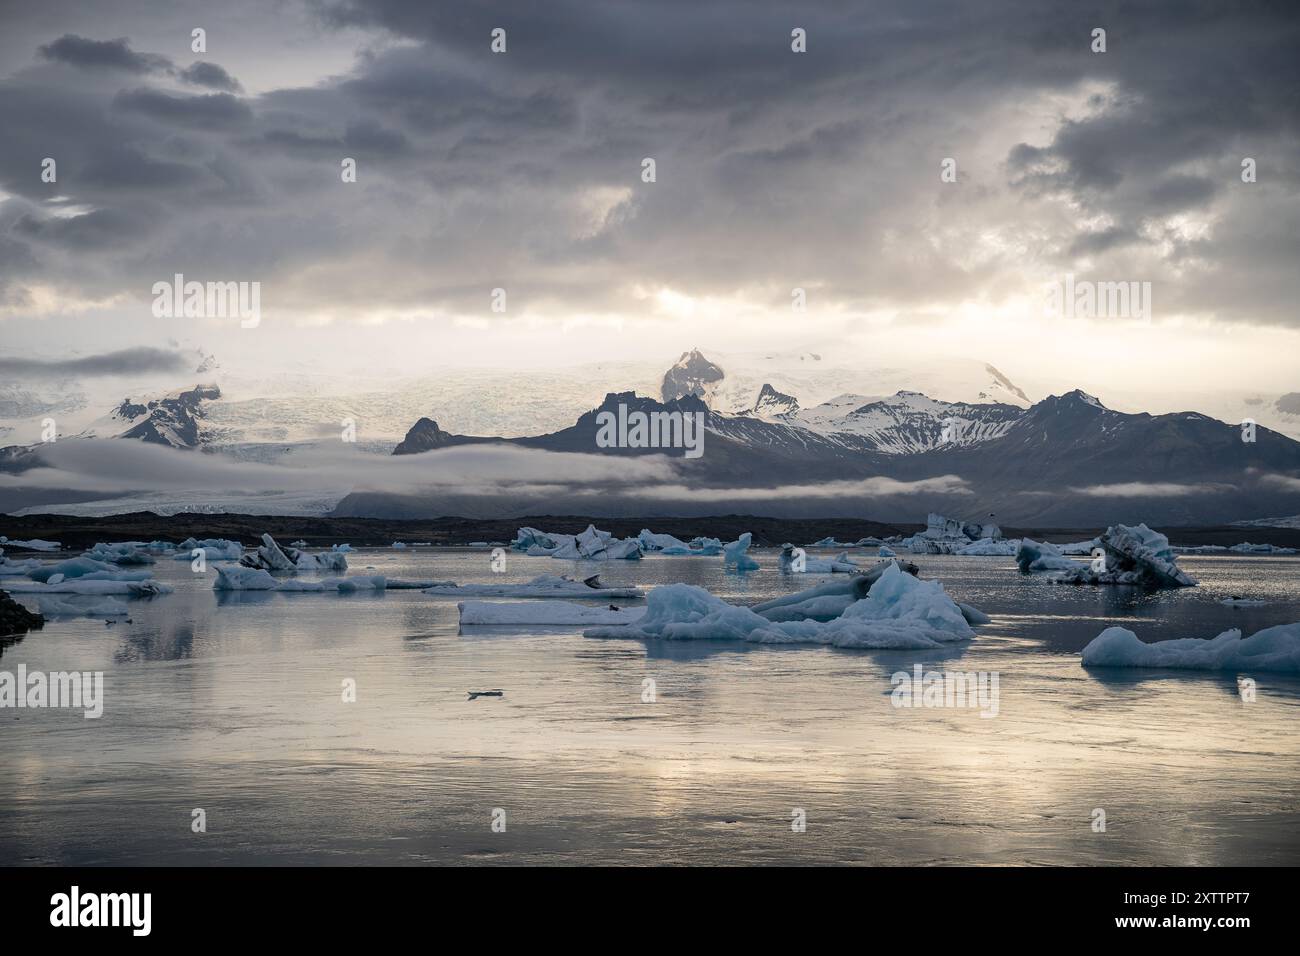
<point x="232" y="703"/>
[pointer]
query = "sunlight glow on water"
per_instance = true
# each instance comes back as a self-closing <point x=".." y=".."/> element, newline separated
<point x="232" y="703"/>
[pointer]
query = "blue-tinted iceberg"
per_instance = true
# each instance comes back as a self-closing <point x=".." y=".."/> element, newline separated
<point x="898" y="611"/>
<point x="1272" y="649"/>
<point x="734" y="555"/>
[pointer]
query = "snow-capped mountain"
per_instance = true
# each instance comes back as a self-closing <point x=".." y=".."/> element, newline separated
<point x="908" y="422"/>
<point x="772" y="404"/>
<point x="692" y="374"/>
<point x="176" y="419"/>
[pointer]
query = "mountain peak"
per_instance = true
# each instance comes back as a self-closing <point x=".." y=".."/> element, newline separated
<point x="692" y="375"/>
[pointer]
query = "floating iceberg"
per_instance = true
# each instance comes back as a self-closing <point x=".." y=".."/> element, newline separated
<point x="841" y="563"/>
<point x="546" y="612"/>
<point x="987" y="547"/>
<point x="108" y="607"/>
<point x="899" y="611"/>
<point x="239" y="577"/>
<point x="1272" y="649"/>
<point x="887" y="552"/>
<point x="121" y="552"/>
<point x="271" y="557"/>
<point x="33" y="544"/>
<point x="1134" y="555"/>
<point x="944" y="535"/>
<point x="1034" y="556"/>
<point x="92" y="584"/>
<point x="214" y="549"/>
<point x="590" y="545"/>
<point x="80" y="567"/>
<point x="669" y="546"/>
<point x="11" y="568"/>
<point x="543" y="586"/>
<point x="734" y="555"/>
<point x="1247" y="548"/>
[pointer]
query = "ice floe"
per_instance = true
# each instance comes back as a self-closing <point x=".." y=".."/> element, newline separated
<point x="1035" y="556"/>
<point x="91" y="584"/>
<point x="897" y="610"/>
<point x="669" y="546"/>
<point x="1133" y="555"/>
<point x="789" y="560"/>
<point x="121" y="552"/>
<point x="239" y="577"/>
<point x="56" y="607"/>
<point x="735" y="555"/>
<point x="943" y="535"/>
<point x="214" y="549"/>
<point x="32" y="544"/>
<point x="545" y="613"/>
<point x="591" y="545"/>
<point x="543" y="586"/>
<point x="270" y="556"/>
<point x="1272" y="649"/>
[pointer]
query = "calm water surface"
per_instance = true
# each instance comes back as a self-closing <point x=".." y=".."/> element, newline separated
<point x="232" y="703"/>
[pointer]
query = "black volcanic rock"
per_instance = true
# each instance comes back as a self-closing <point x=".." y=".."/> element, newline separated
<point x="771" y="403"/>
<point x="424" y="435"/>
<point x="173" y="420"/>
<point x="16" y="619"/>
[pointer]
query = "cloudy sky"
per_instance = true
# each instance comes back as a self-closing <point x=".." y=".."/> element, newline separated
<point x="774" y="170"/>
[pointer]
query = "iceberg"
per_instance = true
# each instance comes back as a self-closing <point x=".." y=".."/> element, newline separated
<point x="987" y="547"/>
<point x="108" y="607"/>
<point x="898" y="611"/>
<point x="943" y="535"/>
<point x="1134" y="555"/>
<point x="1033" y="556"/>
<point x="887" y="552"/>
<point x="590" y="545"/>
<point x="34" y="544"/>
<point x="239" y="577"/>
<point x="667" y="545"/>
<point x="90" y="584"/>
<point x="11" y="568"/>
<point x="840" y="564"/>
<point x="1247" y="548"/>
<point x="122" y="552"/>
<point x="75" y="568"/>
<point x="545" y="613"/>
<point x="543" y="586"/>
<point x="1272" y="649"/>
<point x="214" y="549"/>
<point x="734" y="555"/>
<point x="271" y="557"/>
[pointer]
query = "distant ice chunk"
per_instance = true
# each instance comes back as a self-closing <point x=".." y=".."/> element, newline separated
<point x="734" y="555"/>
<point x="76" y="568"/>
<point x="545" y="613"/>
<point x="887" y="552"/>
<point x="1035" y="556"/>
<point x="841" y="563"/>
<point x="1272" y="649"/>
<point x="121" y="552"/>
<point x="1247" y="548"/>
<point x="270" y="556"/>
<point x="107" y="607"/>
<point x="32" y="544"/>
<point x="92" y="584"/>
<point x="543" y="586"/>
<point x="214" y="549"/>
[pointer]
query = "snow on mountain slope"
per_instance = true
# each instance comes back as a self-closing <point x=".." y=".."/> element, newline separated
<point x="909" y="422"/>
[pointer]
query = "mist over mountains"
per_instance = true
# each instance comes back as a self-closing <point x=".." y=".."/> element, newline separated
<point x="780" y="441"/>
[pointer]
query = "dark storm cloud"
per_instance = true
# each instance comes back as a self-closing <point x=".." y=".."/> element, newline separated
<point x="133" y="361"/>
<point x="775" y="169"/>
<point x="210" y="75"/>
<point x="103" y="54"/>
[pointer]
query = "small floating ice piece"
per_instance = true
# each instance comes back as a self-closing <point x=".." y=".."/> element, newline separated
<point x="543" y="586"/>
<point x="545" y="613"/>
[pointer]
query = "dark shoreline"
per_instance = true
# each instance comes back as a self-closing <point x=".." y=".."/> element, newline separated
<point x="80" y="532"/>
